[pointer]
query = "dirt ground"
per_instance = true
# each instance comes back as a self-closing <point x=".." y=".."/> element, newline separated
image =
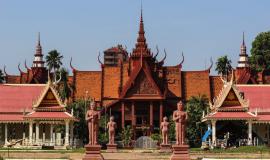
<point x="126" y="155"/>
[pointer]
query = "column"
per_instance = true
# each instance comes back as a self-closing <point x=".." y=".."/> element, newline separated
<point x="214" y="132"/>
<point x="151" y="114"/>
<point x="133" y="114"/>
<point x="67" y="133"/>
<point x="30" y="132"/>
<point x="71" y="134"/>
<point x="51" y="133"/>
<point x="37" y="132"/>
<point x="123" y="114"/>
<point x="160" y="112"/>
<point x="249" y="132"/>
<point x="6" y="134"/>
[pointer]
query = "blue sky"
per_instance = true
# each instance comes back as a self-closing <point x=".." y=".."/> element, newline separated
<point x="82" y="28"/>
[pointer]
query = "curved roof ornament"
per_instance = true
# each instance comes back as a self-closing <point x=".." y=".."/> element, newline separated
<point x="211" y="65"/>
<point x="183" y="59"/>
<point x="5" y="71"/>
<point x="99" y="59"/>
<point x="25" y="65"/>
<point x="20" y="68"/>
<point x="156" y="53"/>
<point x="71" y="66"/>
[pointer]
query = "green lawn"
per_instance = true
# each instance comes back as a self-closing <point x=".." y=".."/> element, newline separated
<point x="243" y="149"/>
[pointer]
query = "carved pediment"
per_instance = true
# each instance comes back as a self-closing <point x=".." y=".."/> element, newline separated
<point x="142" y="86"/>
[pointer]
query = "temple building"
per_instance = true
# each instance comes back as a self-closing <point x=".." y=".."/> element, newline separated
<point x="31" y="115"/>
<point x="138" y="89"/>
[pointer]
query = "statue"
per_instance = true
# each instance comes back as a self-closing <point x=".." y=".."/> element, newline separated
<point x="92" y="149"/>
<point x="164" y="127"/>
<point x="180" y="149"/>
<point x="180" y="118"/>
<point x="92" y="118"/>
<point x="111" y="125"/>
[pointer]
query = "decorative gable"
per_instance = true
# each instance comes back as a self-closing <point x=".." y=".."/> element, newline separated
<point x="229" y="98"/>
<point x="49" y="99"/>
<point x="142" y="86"/>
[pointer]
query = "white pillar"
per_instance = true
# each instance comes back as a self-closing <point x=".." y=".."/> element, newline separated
<point x="51" y="133"/>
<point x="67" y="133"/>
<point x="6" y="134"/>
<point x="249" y="132"/>
<point x="30" y="132"/>
<point x="37" y="132"/>
<point x="213" y="122"/>
<point x="71" y="133"/>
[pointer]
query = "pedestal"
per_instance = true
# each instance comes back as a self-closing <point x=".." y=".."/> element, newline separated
<point x="111" y="148"/>
<point x="92" y="152"/>
<point x="180" y="152"/>
<point x="165" y="148"/>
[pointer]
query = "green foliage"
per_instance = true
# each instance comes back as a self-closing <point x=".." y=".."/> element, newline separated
<point x="260" y="52"/>
<point x="1" y="77"/>
<point x="171" y="133"/>
<point x="103" y="136"/>
<point x="54" y="60"/>
<point x="80" y="108"/>
<point x="126" y="135"/>
<point x="195" y="128"/>
<point x="223" y="65"/>
<point x="64" y="88"/>
<point x="156" y="137"/>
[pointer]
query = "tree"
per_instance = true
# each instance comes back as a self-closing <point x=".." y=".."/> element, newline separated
<point x="1" y="77"/>
<point x="260" y="52"/>
<point x="194" y="108"/>
<point x="79" y="110"/>
<point x="223" y="65"/>
<point x="64" y="88"/>
<point x="54" y="61"/>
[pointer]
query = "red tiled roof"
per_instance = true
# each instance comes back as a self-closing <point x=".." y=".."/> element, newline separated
<point x="11" y="117"/>
<point x="263" y="117"/>
<point x="49" y="115"/>
<point x="258" y="96"/>
<point x="18" y="98"/>
<point x="231" y="115"/>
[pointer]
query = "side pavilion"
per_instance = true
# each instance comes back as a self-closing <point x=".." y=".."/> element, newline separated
<point x="31" y="115"/>
<point x="241" y="108"/>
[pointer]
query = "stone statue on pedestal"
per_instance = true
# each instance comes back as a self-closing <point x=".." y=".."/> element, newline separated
<point x="180" y="149"/>
<point x="111" y="125"/>
<point x="92" y="149"/>
<point x="164" y="127"/>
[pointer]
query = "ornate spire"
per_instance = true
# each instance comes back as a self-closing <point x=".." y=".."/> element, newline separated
<point x="141" y="45"/>
<point x="38" y="59"/>
<point x="243" y="46"/>
<point x="243" y="57"/>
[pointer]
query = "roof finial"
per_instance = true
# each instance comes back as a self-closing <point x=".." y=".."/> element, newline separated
<point x="243" y="43"/>
<point x="39" y="38"/>
<point x="141" y="11"/>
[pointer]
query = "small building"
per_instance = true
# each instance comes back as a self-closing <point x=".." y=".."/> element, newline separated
<point x="243" y="112"/>
<point x="31" y="114"/>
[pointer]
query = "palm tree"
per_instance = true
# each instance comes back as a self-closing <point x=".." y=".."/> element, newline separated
<point x="1" y="77"/>
<point x="54" y="61"/>
<point x="223" y="65"/>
